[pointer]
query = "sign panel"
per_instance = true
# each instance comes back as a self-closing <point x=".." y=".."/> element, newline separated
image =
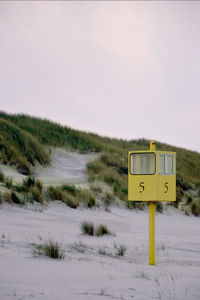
<point x="151" y="176"/>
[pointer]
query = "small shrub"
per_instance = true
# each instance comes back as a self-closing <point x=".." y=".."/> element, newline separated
<point x="107" y="209"/>
<point x="110" y="179"/>
<point x="36" y="194"/>
<point x="28" y="183"/>
<point x="96" y="189"/>
<point x="101" y="230"/>
<point x="136" y="204"/>
<point x="14" y="198"/>
<point x="189" y="199"/>
<point x="79" y="247"/>
<point x="88" y="198"/>
<point x="120" y="250"/>
<point x="65" y="194"/>
<point x="115" y="161"/>
<point x="7" y="197"/>
<point x="71" y="201"/>
<point x="55" y="193"/>
<point x="186" y="211"/>
<point x="108" y="199"/>
<point x="87" y="228"/>
<point x="28" y="197"/>
<point x="69" y="188"/>
<point x="18" y="188"/>
<point x="109" y="196"/>
<point x="91" y="202"/>
<point x="39" y="185"/>
<point x="53" y="250"/>
<point x="95" y="167"/>
<point x="50" y="249"/>
<point x="195" y="208"/>
<point x="1" y="176"/>
<point x="8" y="182"/>
<point x="120" y="191"/>
<point x="34" y="186"/>
<point x="179" y="196"/>
<point x="159" y="206"/>
<point x="102" y="251"/>
<point x="181" y="183"/>
<point x="130" y="205"/>
<point x="23" y="166"/>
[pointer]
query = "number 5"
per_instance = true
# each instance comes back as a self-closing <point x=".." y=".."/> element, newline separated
<point x="166" y="187"/>
<point x="142" y="186"/>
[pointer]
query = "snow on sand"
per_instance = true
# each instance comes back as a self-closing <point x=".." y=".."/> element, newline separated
<point x="86" y="274"/>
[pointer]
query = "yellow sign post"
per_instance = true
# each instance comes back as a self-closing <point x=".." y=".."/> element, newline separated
<point x="152" y="233"/>
<point x="151" y="177"/>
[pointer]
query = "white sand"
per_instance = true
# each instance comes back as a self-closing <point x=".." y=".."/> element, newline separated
<point x="90" y="275"/>
<point x="65" y="167"/>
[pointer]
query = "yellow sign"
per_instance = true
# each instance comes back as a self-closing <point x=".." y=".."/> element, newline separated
<point x="151" y="175"/>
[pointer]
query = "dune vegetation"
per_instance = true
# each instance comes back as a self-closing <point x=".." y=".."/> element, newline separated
<point x="24" y="141"/>
<point x="19" y="147"/>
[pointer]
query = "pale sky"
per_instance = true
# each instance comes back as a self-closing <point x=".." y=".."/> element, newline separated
<point x="120" y="69"/>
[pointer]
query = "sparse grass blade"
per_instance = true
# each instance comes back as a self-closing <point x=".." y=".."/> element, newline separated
<point x="120" y="250"/>
<point x="87" y="228"/>
<point x="51" y="249"/>
<point x="1" y="176"/>
<point x="102" y="230"/>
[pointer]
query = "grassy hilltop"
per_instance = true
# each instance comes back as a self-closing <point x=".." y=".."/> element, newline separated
<point x="24" y="140"/>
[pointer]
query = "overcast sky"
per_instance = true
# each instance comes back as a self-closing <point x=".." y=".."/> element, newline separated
<point x="120" y="69"/>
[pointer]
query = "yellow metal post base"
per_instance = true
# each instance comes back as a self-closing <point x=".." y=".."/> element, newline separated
<point x="152" y="233"/>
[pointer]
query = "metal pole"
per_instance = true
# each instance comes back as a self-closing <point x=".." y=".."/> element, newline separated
<point x="152" y="233"/>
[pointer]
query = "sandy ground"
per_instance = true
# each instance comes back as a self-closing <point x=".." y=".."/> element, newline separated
<point x="65" y="167"/>
<point x="89" y="275"/>
<point x="84" y="273"/>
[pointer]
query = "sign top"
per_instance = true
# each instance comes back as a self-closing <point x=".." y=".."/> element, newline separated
<point x="152" y="175"/>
